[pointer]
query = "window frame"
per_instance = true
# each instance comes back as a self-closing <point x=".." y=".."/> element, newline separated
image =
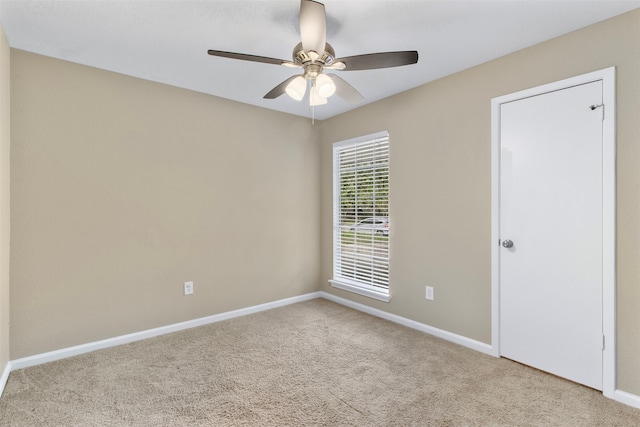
<point x="339" y="281"/>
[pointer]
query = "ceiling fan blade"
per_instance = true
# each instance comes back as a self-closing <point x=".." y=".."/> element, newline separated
<point x="245" y="57"/>
<point x="313" y="26"/>
<point x="280" y="89"/>
<point x="345" y="91"/>
<point x="372" y="61"/>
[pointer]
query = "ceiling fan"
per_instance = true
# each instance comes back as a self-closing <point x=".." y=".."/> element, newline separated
<point x="314" y="55"/>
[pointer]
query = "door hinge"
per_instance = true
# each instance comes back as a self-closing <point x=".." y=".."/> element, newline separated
<point x="594" y="106"/>
<point x="603" y="342"/>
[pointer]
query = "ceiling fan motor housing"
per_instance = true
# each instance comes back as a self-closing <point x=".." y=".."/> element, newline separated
<point x="304" y="58"/>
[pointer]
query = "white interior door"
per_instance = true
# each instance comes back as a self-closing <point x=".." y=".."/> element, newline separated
<point x="551" y="209"/>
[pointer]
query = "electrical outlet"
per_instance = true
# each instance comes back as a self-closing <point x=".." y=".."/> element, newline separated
<point x="429" y="293"/>
<point x="188" y="288"/>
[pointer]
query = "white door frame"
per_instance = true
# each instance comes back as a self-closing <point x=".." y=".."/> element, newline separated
<point x="608" y="214"/>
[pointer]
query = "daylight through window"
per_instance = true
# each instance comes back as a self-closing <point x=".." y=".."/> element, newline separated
<point x="361" y="215"/>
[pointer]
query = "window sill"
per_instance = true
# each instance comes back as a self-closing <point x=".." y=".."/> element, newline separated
<point x="360" y="290"/>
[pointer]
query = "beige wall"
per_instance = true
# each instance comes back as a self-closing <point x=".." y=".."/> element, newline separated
<point x="441" y="182"/>
<point x="122" y="189"/>
<point x="4" y="198"/>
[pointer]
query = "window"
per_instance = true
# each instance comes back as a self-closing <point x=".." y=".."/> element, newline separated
<point x="361" y="215"/>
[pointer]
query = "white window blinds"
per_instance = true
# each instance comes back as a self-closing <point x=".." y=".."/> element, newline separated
<point x="361" y="214"/>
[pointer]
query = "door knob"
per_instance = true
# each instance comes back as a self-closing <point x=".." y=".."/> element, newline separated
<point x="507" y="244"/>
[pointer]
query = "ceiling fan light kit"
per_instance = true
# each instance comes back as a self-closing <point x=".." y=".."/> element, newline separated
<point x="314" y="55"/>
<point x="315" y="98"/>
<point x="297" y="88"/>
<point x="325" y="86"/>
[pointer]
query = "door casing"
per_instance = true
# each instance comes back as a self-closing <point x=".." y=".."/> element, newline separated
<point x="607" y="76"/>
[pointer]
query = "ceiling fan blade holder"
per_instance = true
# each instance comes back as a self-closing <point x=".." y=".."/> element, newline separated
<point x="245" y="57"/>
<point x="374" y="61"/>
<point x="313" y="26"/>
<point x="345" y="91"/>
<point x="336" y="65"/>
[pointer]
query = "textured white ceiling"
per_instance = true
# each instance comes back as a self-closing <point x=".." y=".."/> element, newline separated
<point x="167" y="40"/>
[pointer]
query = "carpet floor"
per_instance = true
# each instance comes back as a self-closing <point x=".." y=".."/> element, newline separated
<point x="314" y="363"/>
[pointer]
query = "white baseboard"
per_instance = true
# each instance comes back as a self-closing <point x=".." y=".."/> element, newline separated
<point x="619" y="395"/>
<point x="51" y="356"/>
<point x="626" y="398"/>
<point x="445" y="335"/>
<point x="4" y="377"/>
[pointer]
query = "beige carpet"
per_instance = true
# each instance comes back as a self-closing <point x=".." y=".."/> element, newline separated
<point x="310" y="364"/>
